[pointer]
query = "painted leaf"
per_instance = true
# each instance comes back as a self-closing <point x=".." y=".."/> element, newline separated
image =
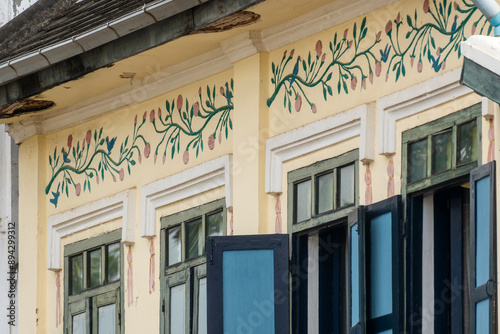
<point x="354" y="31"/>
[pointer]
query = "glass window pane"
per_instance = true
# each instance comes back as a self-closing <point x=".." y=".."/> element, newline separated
<point x="483" y="316"/>
<point x="325" y="192"/>
<point x="79" y="324"/>
<point x="303" y="201"/>
<point x="214" y="224"/>
<point x="107" y="319"/>
<point x="76" y="274"/>
<point x="441" y="152"/>
<point x="417" y="160"/>
<point x="482" y="232"/>
<point x="202" y="306"/>
<point x="467" y="143"/>
<point x="94" y="268"/>
<point x="113" y="262"/>
<point x="194" y="239"/>
<point x="346" y="186"/>
<point x="178" y="309"/>
<point x="174" y="245"/>
<point x="380" y="266"/>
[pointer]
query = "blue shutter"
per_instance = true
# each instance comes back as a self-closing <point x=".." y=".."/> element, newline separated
<point x="247" y="284"/>
<point x="482" y="276"/>
<point x="384" y="269"/>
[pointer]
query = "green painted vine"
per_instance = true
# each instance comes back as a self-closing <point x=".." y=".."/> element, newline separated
<point x="352" y="59"/>
<point x="182" y="125"/>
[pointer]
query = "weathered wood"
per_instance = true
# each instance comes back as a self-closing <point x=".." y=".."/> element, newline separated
<point x="481" y="80"/>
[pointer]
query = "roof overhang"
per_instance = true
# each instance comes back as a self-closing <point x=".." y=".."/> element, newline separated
<point x="481" y="70"/>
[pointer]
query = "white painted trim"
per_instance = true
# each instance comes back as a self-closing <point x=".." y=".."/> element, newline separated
<point x="192" y="181"/>
<point x="405" y="103"/>
<point x="359" y="121"/>
<point x="488" y="108"/>
<point x="484" y="51"/>
<point x="121" y="205"/>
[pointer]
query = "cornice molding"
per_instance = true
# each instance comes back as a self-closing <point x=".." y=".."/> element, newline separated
<point x="207" y="176"/>
<point x="356" y="122"/>
<point x="121" y="205"/>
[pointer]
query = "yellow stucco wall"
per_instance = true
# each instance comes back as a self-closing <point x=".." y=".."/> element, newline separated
<point x="254" y="119"/>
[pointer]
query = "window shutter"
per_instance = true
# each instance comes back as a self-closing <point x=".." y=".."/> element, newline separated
<point x="247" y="284"/>
<point x="482" y="275"/>
<point x="384" y="286"/>
<point x="356" y="272"/>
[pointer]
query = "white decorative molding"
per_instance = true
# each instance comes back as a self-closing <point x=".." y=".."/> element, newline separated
<point x="121" y="205"/>
<point x="488" y="108"/>
<point x="484" y="51"/>
<point x="359" y="121"/>
<point x="192" y="181"/>
<point x="413" y="100"/>
<point x="243" y="46"/>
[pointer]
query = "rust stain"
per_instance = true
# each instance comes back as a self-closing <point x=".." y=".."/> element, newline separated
<point x="26" y="106"/>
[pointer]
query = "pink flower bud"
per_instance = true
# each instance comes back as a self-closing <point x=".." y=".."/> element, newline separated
<point x="314" y="110"/>
<point x="412" y="60"/>
<point x="211" y="142"/>
<point x="420" y="67"/>
<point x="185" y="157"/>
<point x="426" y="6"/>
<point x="319" y="48"/>
<point x="354" y="82"/>
<point x="196" y="109"/>
<point x="159" y="113"/>
<point x="443" y="65"/>
<point x="323" y="58"/>
<point x="220" y="137"/>
<point x="164" y="158"/>
<point x="122" y="174"/>
<point x="363" y="83"/>
<point x="135" y="119"/>
<point x="379" y="36"/>
<point x="70" y="141"/>
<point x="370" y="77"/>
<point x="387" y="76"/>
<point x="97" y="178"/>
<point x="345" y="33"/>
<point x="298" y="103"/>
<point x="291" y="53"/>
<point x="199" y="91"/>
<point x="147" y="150"/>
<point x="179" y="102"/>
<point x="78" y="189"/>
<point x="155" y="158"/>
<point x="388" y="27"/>
<point x="144" y="116"/>
<point x="398" y="18"/>
<point x="222" y="91"/>
<point x="88" y="137"/>
<point x="152" y="116"/>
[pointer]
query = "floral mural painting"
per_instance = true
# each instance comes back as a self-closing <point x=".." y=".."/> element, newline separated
<point x="180" y="121"/>
<point x="428" y="37"/>
<point x="183" y="125"/>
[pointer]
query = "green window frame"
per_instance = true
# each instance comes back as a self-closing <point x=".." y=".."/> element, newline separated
<point x="423" y="146"/>
<point x="84" y="303"/>
<point x="311" y="176"/>
<point x="183" y="281"/>
<point x="320" y="241"/>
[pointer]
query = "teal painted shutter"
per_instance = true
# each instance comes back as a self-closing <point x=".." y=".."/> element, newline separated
<point x="247" y="284"/>
<point x="384" y="286"/>
<point x="482" y="275"/>
<point x="356" y="284"/>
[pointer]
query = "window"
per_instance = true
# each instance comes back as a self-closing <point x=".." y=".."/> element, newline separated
<point x="93" y="275"/>
<point x="442" y="149"/>
<point x="319" y="197"/>
<point x="183" y="266"/>
<point x="450" y="226"/>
